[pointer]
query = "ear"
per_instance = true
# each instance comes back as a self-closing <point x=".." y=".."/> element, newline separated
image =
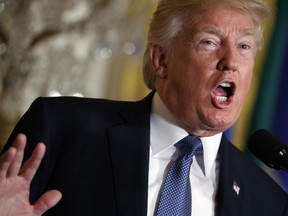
<point x="158" y="58"/>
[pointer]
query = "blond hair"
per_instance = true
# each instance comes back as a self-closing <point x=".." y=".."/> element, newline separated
<point x="170" y="15"/>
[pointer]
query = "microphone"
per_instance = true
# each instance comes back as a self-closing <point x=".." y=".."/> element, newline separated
<point x="269" y="149"/>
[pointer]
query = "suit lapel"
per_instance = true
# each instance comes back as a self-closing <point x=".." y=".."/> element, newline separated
<point x="230" y="195"/>
<point x="129" y="143"/>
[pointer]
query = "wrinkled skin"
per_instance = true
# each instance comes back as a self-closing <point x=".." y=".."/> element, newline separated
<point x="15" y="182"/>
<point x="218" y="48"/>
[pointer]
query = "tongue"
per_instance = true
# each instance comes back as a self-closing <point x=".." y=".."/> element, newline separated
<point x="220" y="92"/>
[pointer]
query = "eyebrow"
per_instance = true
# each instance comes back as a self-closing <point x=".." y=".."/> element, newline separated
<point x="218" y="32"/>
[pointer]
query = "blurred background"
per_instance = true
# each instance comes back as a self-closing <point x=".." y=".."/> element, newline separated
<point x="94" y="48"/>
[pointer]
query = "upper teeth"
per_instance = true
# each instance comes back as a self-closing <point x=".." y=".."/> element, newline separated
<point x="225" y="84"/>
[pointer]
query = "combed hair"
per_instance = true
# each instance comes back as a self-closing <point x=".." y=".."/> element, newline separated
<point x="171" y="16"/>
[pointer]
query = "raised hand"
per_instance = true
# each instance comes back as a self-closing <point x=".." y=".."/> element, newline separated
<point x="15" y="181"/>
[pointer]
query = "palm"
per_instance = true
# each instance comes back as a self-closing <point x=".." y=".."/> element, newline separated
<point x="14" y="197"/>
<point x="15" y="182"/>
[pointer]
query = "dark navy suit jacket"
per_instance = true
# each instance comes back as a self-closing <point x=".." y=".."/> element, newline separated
<point x="98" y="157"/>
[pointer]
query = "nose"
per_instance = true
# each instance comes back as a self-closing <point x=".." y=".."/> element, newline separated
<point x="228" y="59"/>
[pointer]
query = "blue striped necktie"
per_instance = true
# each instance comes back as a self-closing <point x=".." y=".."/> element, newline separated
<point x="175" y="198"/>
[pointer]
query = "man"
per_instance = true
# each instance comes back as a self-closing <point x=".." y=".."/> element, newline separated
<point x="111" y="158"/>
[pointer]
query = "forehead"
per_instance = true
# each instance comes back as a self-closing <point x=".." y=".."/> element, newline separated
<point x="221" y="20"/>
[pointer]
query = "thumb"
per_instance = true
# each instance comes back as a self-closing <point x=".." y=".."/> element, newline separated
<point x="46" y="201"/>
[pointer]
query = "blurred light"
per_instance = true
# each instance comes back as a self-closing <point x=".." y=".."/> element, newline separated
<point x="129" y="48"/>
<point x="79" y="12"/>
<point x="54" y="93"/>
<point x="78" y="94"/>
<point x="106" y="53"/>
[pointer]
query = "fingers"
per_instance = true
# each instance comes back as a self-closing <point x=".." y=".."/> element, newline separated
<point x="19" y="144"/>
<point x="5" y="162"/>
<point x="47" y="201"/>
<point x="10" y="161"/>
<point x="10" y="166"/>
<point x="31" y="165"/>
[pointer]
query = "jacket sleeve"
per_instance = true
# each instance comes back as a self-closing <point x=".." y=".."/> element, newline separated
<point x="35" y="125"/>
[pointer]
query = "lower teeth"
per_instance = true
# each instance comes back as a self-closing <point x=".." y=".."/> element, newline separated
<point x="222" y="98"/>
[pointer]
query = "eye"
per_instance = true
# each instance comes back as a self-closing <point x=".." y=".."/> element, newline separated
<point x="207" y="42"/>
<point x="244" y="46"/>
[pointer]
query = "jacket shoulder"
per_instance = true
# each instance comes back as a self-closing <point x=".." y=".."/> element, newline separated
<point x="81" y="106"/>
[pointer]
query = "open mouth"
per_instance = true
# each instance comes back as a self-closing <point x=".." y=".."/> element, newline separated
<point x="224" y="91"/>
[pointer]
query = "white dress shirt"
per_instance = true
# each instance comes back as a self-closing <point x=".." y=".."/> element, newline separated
<point x="204" y="170"/>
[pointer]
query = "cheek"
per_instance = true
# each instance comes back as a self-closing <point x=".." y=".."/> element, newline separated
<point x="246" y="80"/>
<point x="241" y="98"/>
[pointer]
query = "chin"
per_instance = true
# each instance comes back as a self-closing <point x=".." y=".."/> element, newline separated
<point x="223" y="126"/>
<point x="221" y="123"/>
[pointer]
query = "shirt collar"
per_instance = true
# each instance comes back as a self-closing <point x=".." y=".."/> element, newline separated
<point x="165" y="132"/>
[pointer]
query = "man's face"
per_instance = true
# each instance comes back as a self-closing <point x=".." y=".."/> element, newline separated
<point x="205" y="78"/>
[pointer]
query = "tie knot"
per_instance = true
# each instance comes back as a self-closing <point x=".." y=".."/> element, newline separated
<point x="190" y="145"/>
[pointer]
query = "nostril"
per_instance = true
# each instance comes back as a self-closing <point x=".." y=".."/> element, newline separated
<point x="227" y="67"/>
<point x="227" y="63"/>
